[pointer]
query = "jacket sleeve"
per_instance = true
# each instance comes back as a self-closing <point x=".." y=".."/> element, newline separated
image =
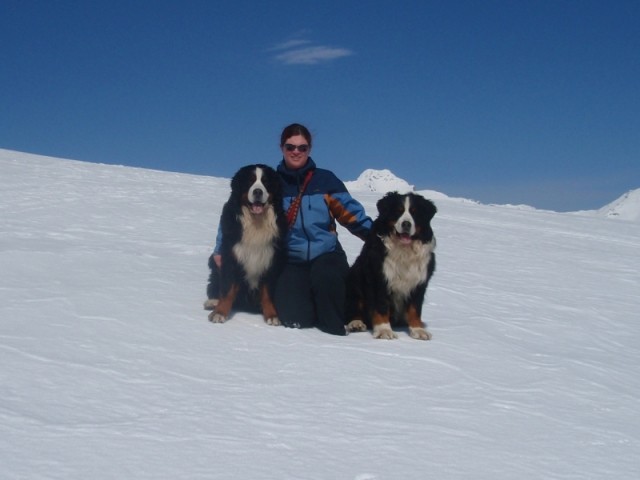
<point x="349" y="213"/>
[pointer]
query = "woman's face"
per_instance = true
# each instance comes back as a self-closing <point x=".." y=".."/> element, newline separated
<point x="294" y="158"/>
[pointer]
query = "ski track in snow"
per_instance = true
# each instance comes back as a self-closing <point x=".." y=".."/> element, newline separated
<point x="111" y="370"/>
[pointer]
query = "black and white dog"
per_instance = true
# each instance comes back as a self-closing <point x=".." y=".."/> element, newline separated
<point x="253" y="251"/>
<point x="388" y="281"/>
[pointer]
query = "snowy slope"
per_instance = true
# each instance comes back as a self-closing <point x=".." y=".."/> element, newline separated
<point x="109" y="368"/>
<point x="627" y="207"/>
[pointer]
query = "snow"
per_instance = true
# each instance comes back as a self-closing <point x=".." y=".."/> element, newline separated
<point x="379" y="181"/>
<point x="383" y="181"/>
<point x="110" y="369"/>
<point x="627" y="207"/>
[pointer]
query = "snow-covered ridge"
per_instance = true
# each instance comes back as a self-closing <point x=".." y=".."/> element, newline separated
<point x="626" y="207"/>
<point x="383" y="181"/>
<point x="379" y="181"/>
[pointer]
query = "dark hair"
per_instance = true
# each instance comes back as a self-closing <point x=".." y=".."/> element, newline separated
<point x="293" y="130"/>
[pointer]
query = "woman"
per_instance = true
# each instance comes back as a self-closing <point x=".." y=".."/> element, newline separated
<point x="311" y="289"/>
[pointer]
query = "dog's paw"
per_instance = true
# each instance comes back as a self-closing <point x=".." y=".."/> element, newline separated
<point x="215" y="317"/>
<point x="384" y="332"/>
<point x="420" y="333"/>
<point x="210" y="304"/>
<point x="275" y="321"/>
<point x="356" y="326"/>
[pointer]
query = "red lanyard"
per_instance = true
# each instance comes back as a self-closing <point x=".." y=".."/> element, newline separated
<point x="292" y="213"/>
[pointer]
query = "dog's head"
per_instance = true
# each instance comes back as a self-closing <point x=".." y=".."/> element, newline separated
<point x="405" y="217"/>
<point x="256" y="187"/>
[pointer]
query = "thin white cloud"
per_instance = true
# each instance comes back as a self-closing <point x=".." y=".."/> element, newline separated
<point x="311" y="55"/>
<point x="290" y="44"/>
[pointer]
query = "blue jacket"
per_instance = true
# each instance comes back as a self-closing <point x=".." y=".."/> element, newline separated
<point x="325" y="201"/>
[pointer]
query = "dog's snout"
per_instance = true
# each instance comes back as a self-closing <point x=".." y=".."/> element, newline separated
<point x="257" y="194"/>
<point x="406" y="225"/>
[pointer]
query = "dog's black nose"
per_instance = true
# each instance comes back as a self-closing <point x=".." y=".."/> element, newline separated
<point x="406" y="225"/>
<point x="257" y="194"/>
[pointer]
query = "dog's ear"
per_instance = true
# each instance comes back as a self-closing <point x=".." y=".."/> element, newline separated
<point x="236" y="183"/>
<point x="384" y="205"/>
<point x="428" y="207"/>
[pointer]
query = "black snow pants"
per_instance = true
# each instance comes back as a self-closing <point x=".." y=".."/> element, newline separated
<point x="312" y="294"/>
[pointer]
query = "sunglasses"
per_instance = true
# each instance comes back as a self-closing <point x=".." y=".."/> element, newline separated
<point x="301" y="148"/>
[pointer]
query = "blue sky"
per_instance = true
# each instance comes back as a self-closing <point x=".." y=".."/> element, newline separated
<point x="534" y="102"/>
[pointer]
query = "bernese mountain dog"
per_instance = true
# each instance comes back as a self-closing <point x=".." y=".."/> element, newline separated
<point x="253" y="251"/>
<point x="388" y="280"/>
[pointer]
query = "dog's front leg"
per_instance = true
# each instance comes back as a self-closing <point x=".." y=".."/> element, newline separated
<point x="381" y="315"/>
<point x="382" y="326"/>
<point x="417" y="328"/>
<point x="268" y="308"/>
<point x="355" y="313"/>
<point x="221" y="312"/>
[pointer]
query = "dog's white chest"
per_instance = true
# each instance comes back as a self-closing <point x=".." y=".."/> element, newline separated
<point x="256" y="249"/>
<point x="405" y="267"/>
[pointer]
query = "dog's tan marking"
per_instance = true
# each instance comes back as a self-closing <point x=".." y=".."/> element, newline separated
<point x="382" y="327"/>
<point x="417" y="328"/>
<point x="413" y="319"/>
<point x="222" y="309"/>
